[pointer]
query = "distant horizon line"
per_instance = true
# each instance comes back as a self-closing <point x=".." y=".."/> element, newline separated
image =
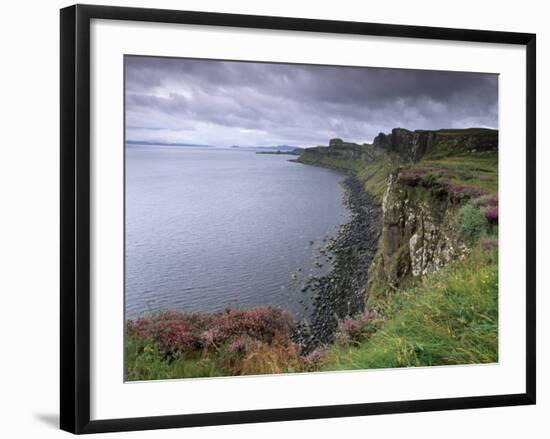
<point x="283" y="145"/>
<point x="155" y="142"/>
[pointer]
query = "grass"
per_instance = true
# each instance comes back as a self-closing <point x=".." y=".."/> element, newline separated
<point x="451" y="317"/>
<point x="373" y="174"/>
<point x="144" y="363"/>
<point x="332" y="162"/>
<point x="452" y="142"/>
<point x="479" y="170"/>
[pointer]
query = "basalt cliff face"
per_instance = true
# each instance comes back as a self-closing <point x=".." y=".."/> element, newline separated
<point x="413" y="145"/>
<point x="409" y="146"/>
<point x="418" y="233"/>
<point x="420" y="187"/>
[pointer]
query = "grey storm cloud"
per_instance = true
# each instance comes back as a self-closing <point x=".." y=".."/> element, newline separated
<point x="251" y="103"/>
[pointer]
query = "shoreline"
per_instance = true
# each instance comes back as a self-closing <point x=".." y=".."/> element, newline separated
<point x="341" y="293"/>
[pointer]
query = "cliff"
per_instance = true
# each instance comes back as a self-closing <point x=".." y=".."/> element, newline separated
<point x="422" y="179"/>
<point x="340" y="150"/>
<point x="412" y="146"/>
<point x="409" y="146"/>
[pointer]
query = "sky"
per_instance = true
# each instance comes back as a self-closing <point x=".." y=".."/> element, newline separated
<point x="224" y="103"/>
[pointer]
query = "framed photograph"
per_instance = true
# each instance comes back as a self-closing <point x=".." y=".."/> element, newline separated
<point x="268" y="218"/>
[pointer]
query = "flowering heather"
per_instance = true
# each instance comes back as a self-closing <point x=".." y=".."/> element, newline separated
<point x="487" y="201"/>
<point x="174" y="338"/>
<point x="175" y="334"/>
<point x="314" y="357"/>
<point x="489" y="244"/>
<point x="471" y="223"/>
<point x="464" y="191"/>
<point x="240" y="345"/>
<point x="356" y="330"/>
<point x="440" y="180"/>
<point x="492" y="215"/>
<point x="211" y="337"/>
<point x="411" y="176"/>
<point x="261" y="323"/>
<point x="420" y="176"/>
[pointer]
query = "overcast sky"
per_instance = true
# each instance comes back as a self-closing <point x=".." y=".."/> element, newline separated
<point x="244" y="103"/>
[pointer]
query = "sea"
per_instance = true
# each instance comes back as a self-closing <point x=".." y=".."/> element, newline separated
<point x="209" y="228"/>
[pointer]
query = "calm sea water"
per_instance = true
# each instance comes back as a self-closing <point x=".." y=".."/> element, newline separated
<point x="209" y="228"/>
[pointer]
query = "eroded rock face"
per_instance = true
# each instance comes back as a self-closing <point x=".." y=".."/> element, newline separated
<point x="418" y="234"/>
<point x="429" y="247"/>
<point x="411" y="146"/>
<point x="418" y="227"/>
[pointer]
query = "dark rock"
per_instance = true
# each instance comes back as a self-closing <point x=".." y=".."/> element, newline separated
<point x="341" y="293"/>
<point x="411" y="146"/>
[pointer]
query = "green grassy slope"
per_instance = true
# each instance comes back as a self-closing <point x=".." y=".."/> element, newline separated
<point x="450" y="317"/>
<point x="373" y="173"/>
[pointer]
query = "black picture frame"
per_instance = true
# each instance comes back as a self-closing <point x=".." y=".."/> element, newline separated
<point x="75" y="217"/>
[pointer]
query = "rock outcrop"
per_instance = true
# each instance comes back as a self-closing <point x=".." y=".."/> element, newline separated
<point x="418" y="234"/>
<point x="419" y="203"/>
<point x="339" y="143"/>
<point x="411" y="146"/>
<point x="341" y="150"/>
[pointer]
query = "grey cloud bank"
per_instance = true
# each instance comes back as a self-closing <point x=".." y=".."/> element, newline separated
<point x="246" y="103"/>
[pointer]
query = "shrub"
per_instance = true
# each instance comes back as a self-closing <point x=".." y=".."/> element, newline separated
<point x="357" y="330"/>
<point x="489" y="244"/>
<point x="315" y="357"/>
<point x="179" y="334"/>
<point x="464" y="191"/>
<point x="487" y="201"/>
<point x="418" y="176"/>
<point x="432" y="180"/>
<point x="491" y="215"/>
<point x="173" y="337"/>
<point x="411" y="176"/>
<point x="471" y="223"/>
